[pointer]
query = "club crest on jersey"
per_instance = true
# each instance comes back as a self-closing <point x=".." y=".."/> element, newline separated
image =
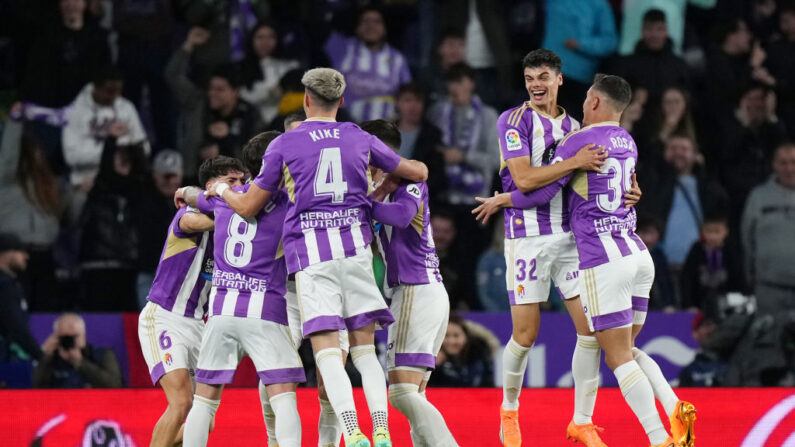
<point x="414" y="190"/>
<point x="520" y="291"/>
<point x="512" y="142"/>
<point x="168" y="359"/>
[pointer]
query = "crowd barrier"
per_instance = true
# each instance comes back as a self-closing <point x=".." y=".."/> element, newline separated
<point x="124" y="418"/>
<point x="666" y="337"/>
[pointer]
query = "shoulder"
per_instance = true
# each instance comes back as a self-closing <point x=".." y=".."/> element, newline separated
<point x="415" y="190"/>
<point x="513" y="116"/>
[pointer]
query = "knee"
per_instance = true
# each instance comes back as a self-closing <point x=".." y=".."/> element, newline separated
<point x="180" y="406"/>
<point x="401" y="394"/>
<point x="615" y="360"/>
<point x="525" y="337"/>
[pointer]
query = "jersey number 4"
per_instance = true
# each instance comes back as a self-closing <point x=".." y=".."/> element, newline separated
<point x="328" y="177"/>
<point x="619" y="181"/>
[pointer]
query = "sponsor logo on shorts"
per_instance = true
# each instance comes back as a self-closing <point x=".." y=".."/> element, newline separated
<point x="390" y="346"/>
<point x="572" y="275"/>
<point x="168" y="359"/>
<point x="512" y="142"/>
<point x="520" y="291"/>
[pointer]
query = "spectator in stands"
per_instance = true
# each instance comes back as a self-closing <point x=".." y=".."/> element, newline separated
<point x="762" y="19"/>
<point x="768" y="236"/>
<point x="635" y="111"/>
<point x="671" y="116"/>
<point x="373" y="69"/>
<point x="16" y="341"/>
<point x="32" y="207"/>
<point x="782" y="66"/>
<point x="490" y="272"/>
<point x="681" y="198"/>
<point x="454" y="262"/>
<point x="468" y="134"/>
<point x="745" y="145"/>
<point x="70" y="362"/>
<point x="156" y="210"/>
<point x="653" y="64"/>
<point x="262" y="70"/>
<point x="712" y="268"/>
<point x="421" y="140"/>
<point x="98" y="113"/>
<point x="212" y="115"/>
<point x="465" y="359"/>
<point x="635" y="10"/>
<point x="144" y="40"/>
<point x="109" y="246"/>
<point x="734" y="64"/>
<point x="582" y="34"/>
<point x="450" y="51"/>
<point x="487" y="49"/>
<point x="663" y="292"/>
<point x="63" y="57"/>
<point x="708" y="369"/>
<point x="227" y="24"/>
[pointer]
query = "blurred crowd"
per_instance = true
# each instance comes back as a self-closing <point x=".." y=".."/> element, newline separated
<point x="108" y="106"/>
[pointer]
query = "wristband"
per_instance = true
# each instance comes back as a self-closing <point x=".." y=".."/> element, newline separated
<point x="219" y="190"/>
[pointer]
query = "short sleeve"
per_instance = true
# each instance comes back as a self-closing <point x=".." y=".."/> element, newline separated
<point x="513" y="134"/>
<point x="567" y="148"/>
<point x="410" y="192"/>
<point x="181" y="212"/>
<point x="270" y="175"/>
<point x="381" y="156"/>
<point x="205" y="204"/>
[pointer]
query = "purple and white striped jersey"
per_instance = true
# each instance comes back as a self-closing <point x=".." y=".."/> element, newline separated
<point x="179" y="284"/>
<point x="524" y="131"/>
<point x="324" y="165"/>
<point x="405" y="239"/>
<point x="372" y="77"/>
<point x="250" y="276"/>
<point x="603" y="229"/>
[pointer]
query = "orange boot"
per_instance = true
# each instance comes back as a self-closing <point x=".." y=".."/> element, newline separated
<point x="587" y="434"/>
<point x="682" y="421"/>
<point x="510" y="434"/>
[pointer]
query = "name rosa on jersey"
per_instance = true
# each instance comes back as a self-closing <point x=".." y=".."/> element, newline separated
<point x="329" y="219"/>
<point x="239" y="281"/>
<point x="611" y="224"/>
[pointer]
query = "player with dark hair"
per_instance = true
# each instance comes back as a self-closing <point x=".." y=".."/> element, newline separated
<point x="170" y="325"/>
<point x="418" y="298"/>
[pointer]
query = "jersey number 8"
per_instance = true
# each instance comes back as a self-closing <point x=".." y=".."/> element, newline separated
<point x="238" y="248"/>
<point x="619" y="181"/>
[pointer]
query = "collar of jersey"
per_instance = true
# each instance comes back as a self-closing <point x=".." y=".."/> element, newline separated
<point x="603" y="123"/>
<point x="322" y="118"/>
<point x="545" y="114"/>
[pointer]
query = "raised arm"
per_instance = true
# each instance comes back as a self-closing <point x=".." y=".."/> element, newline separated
<point x="246" y="204"/>
<point x="412" y="170"/>
<point x="398" y="214"/>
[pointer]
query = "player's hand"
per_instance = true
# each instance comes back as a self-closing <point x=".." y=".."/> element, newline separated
<point x="179" y="198"/>
<point x="218" y="129"/>
<point x="453" y="156"/>
<point x="590" y="157"/>
<point x="632" y="197"/>
<point x="572" y="44"/>
<point x="387" y="186"/>
<point x="196" y="36"/>
<point x="213" y="190"/>
<point x="488" y="207"/>
<point x="50" y="345"/>
<point x="758" y="55"/>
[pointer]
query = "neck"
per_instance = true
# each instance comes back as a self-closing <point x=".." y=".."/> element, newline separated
<point x="603" y="117"/>
<point x="461" y="101"/>
<point x="312" y="112"/>
<point x="73" y="23"/>
<point x="406" y="125"/>
<point x="730" y="49"/>
<point x="226" y="109"/>
<point x="374" y="46"/>
<point x="551" y="108"/>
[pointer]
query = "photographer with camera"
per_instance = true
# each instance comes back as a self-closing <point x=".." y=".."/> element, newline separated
<point x="70" y="362"/>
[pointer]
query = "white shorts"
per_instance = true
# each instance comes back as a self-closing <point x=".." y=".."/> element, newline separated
<point x="339" y="294"/>
<point x="168" y="341"/>
<point x="294" y="318"/>
<point x="642" y="287"/>
<point x="535" y="260"/>
<point x="228" y="339"/>
<point x="608" y="290"/>
<point x="421" y="312"/>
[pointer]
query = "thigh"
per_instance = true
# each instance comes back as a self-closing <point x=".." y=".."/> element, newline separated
<point x="565" y="266"/>
<point x="527" y="274"/>
<point x="362" y="301"/>
<point x="319" y="293"/>
<point x="220" y="351"/>
<point x="641" y="287"/>
<point x="293" y="314"/>
<point x="607" y="294"/>
<point x="271" y="348"/>
<point x="168" y="341"/>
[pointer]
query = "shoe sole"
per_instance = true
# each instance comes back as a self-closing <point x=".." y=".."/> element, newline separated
<point x="687" y="414"/>
<point x="574" y="440"/>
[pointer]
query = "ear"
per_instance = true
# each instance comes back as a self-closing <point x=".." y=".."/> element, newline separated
<point x="596" y="102"/>
<point x="306" y="100"/>
<point x="560" y="78"/>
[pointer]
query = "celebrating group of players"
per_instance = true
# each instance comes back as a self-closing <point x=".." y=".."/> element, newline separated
<point x="277" y="248"/>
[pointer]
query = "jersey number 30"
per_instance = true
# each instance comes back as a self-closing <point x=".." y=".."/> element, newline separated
<point x="620" y="181"/>
<point x="328" y="177"/>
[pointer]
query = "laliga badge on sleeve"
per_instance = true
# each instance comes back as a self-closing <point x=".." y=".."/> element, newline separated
<point x="512" y="142"/>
